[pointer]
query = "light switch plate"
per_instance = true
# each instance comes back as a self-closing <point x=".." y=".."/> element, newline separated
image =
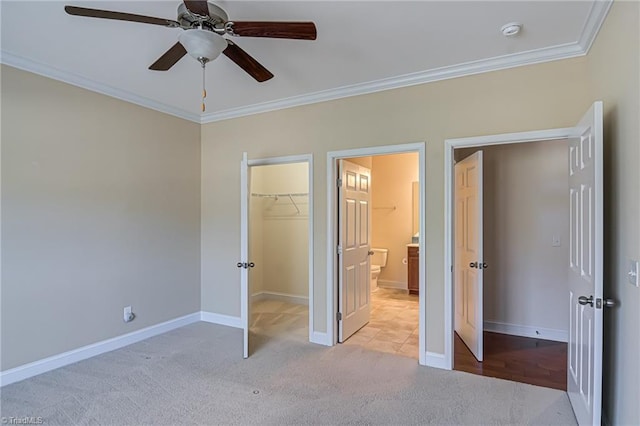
<point x="633" y="273"/>
<point x="555" y="241"/>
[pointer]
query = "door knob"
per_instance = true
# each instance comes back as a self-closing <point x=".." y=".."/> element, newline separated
<point x="609" y="303"/>
<point x="251" y="264"/>
<point x="584" y="300"/>
<point x="370" y="252"/>
<point x="240" y="265"/>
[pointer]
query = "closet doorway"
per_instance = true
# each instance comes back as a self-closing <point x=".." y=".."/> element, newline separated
<point x="279" y="247"/>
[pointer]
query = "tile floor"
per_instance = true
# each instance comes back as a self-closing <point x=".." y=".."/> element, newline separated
<point x="272" y="318"/>
<point x="393" y="327"/>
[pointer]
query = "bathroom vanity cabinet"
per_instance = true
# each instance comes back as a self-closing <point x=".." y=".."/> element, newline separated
<point x="413" y="268"/>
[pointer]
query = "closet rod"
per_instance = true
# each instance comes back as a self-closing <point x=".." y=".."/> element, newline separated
<point x="289" y="195"/>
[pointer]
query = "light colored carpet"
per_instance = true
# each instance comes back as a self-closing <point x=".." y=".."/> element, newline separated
<point x="196" y="375"/>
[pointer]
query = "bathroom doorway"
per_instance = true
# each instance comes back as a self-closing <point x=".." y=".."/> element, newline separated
<point x="280" y="250"/>
<point x="389" y="255"/>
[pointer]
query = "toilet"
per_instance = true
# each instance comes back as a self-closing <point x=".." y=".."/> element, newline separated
<point x="378" y="261"/>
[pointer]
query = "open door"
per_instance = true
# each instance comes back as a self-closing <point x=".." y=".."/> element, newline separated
<point x="354" y="278"/>
<point x="584" y="372"/>
<point x="469" y="264"/>
<point x="244" y="264"/>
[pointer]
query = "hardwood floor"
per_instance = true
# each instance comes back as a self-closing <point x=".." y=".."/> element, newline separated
<point x="521" y="359"/>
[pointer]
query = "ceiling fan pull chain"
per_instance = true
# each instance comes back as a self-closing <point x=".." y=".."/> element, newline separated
<point x="204" y="87"/>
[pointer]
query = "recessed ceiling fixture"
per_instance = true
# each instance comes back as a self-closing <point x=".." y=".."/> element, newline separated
<point x="511" y="29"/>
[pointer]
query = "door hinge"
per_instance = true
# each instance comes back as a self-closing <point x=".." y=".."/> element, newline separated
<point x="451" y="268"/>
<point x="339" y="250"/>
<point x="339" y="182"/>
<point x="339" y="316"/>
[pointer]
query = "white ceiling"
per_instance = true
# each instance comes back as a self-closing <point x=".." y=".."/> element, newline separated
<point x="362" y="46"/>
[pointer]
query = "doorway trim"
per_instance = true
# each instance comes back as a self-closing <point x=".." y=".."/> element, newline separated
<point x="450" y="146"/>
<point x="332" y="232"/>
<point x="291" y="159"/>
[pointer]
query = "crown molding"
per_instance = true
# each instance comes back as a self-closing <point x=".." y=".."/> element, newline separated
<point x="25" y="64"/>
<point x="595" y="18"/>
<point x="593" y="23"/>
<point x="469" y="68"/>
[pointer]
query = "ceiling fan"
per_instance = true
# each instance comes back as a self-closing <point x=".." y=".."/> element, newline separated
<point x="205" y="24"/>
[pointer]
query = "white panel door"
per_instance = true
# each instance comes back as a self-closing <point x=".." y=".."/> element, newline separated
<point x="468" y="252"/>
<point x="584" y="372"/>
<point x="244" y="264"/>
<point x="354" y="248"/>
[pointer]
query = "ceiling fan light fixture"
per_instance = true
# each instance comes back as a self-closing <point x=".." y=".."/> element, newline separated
<point x="202" y="44"/>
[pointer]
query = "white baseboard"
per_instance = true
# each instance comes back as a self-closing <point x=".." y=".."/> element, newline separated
<point x="527" y="331"/>
<point x="284" y="297"/>
<point x="320" y="338"/>
<point x="436" y="360"/>
<point x="56" y="361"/>
<point x="392" y="284"/>
<point x="221" y="319"/>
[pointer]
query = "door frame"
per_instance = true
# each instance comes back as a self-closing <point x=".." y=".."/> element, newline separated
<point x="449" y="220"/>
<point x="291" y="159"/>
<point x="332" y="234"/>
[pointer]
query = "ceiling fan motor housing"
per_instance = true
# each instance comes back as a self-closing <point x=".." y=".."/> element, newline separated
<point x="216" y="19"/>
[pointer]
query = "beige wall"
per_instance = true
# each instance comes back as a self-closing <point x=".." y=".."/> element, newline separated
<point x="548" y="95"/>
<point x="278" y="234"/>
<point x="525" y="189"/>
<point x="100" y="210"/>
<point x="391" y="186"/>
<point x="614" y="71"/>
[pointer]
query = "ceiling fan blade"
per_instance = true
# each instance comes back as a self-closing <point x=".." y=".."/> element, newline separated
<point x="169" y="58"/>
<point x="120" y="16"/>
<point x="246" y="62"/>
<point x="198" y="7"/>
<point x="293" y="30"/>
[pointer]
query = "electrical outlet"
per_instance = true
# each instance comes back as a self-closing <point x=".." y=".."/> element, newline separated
<point x="555" y="241"/>
<point x="128" y="314"/>
<point x="633" y="273"/>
